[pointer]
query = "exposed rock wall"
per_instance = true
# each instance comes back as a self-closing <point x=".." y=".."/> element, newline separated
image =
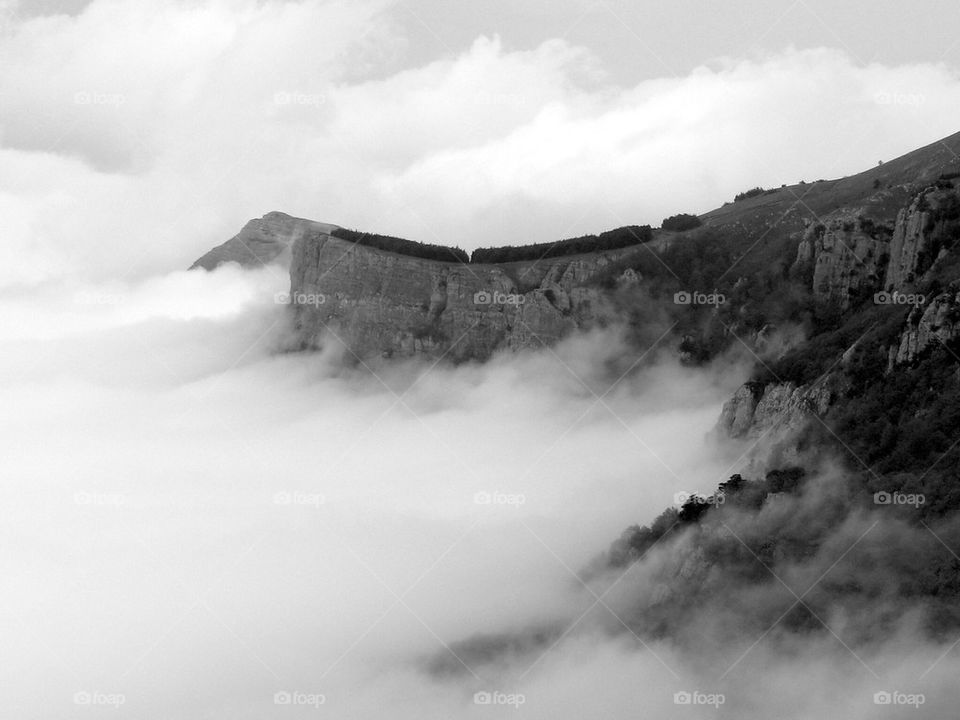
<point x="776" y="408"/>
<point x="845" y="259"/>
<point x="909" y="240"/>
<point x="920" y="236"/>
<point x="937" y="322"/>
<point x="383" y="304"/>
<point x="847" y="254"/>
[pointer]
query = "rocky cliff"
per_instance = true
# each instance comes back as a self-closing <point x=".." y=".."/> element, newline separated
<point x="850" y="253"/>
<point x="845" y="258"/>
<point x="382" y="304"/>
<point x="849" y="257"/>
<point x="921" y="235"/>
<point x="756" y="410"/>
<point x="927" y="325"/>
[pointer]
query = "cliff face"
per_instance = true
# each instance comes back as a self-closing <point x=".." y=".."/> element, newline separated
<point x="777" y="408"/>
<point x="845" y="259"/>
<point x="938" y="322"/>
<point x="380" y="304"/>
<point x="919" y="236"/>
<point x="847" y="255"/>
<point x="850" y="254"/>
<point x="909" y="239"/>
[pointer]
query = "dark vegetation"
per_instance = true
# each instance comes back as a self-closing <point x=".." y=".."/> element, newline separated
<point x="901" y="424"/>
<point x="443" y="253"/>
<point x="754" y="192"/>
<point x="681" y="222"/>
<point x="757" y="530"/>
<point x="637" y="541"/>
<point x="894" y="429"/>
<point x="610" y="240"/>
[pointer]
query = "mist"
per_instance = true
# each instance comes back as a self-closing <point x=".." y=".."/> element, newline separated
<point x="199" y="521"/>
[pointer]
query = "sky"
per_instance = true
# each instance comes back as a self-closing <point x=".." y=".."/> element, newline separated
<point x="197" y="524"/>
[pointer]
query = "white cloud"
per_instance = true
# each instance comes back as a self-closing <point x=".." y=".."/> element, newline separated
<point x="148" y="442"/>
<point x="133" y="138"/>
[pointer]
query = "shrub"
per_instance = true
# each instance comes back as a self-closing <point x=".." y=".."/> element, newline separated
<point x="610" y="240"/>
<point x="747" y="194"/>
<point x="681" y="222"/>
<point x="401" y="246"/>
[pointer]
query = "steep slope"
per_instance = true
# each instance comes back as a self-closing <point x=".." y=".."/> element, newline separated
<point x="261" y="241"/>
<point x="879" y="191"/>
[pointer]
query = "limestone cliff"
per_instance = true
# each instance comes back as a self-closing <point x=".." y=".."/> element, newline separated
<point x="382" y="304"/>
<point x="850" y="254"/>
<point x="919" y="236"/>
<point x="937" y="322"/>
<point x="846" y="259"/>
<point x="756" y="410"/>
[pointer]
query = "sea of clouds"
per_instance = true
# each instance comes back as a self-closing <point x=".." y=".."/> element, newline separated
<point x="198" y="524"/>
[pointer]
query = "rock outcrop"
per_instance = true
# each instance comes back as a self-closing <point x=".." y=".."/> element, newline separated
<point x="845" y="258"/>
<point x="919" y="236"/>
<point x="849" y="254"/>
<point x="381" y="304"/>
<point x="938" y="322"/>
<point x="265" y="240"/>
<point x="776" y="409"/>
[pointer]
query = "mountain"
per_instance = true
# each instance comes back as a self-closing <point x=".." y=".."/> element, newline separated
<point x="387" y="297"/>
<point x="845" y="295"/>
<point x="836" y="287"/>
<point x="261" y="241"/>
<point x="850" y="235"/>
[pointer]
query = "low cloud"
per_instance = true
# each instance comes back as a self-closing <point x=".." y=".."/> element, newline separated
<point x="183" y="497"/>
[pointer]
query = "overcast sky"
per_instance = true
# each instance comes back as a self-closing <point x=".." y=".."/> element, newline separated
<point x="134" y="136"/>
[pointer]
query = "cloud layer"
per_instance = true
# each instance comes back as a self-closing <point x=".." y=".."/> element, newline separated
<point x="185" y="504"/>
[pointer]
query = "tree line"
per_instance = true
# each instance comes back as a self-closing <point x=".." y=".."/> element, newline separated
<point x="610" y="240"/>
